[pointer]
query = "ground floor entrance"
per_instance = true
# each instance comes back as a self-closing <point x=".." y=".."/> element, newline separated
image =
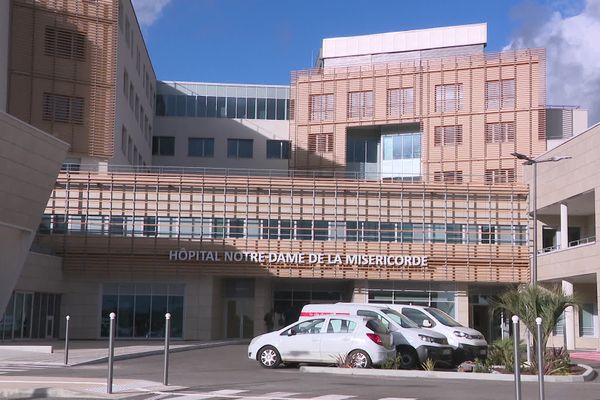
<point x="31" y="315"/>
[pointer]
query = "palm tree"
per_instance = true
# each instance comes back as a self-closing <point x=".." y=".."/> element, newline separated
<point x="531" y="301"/>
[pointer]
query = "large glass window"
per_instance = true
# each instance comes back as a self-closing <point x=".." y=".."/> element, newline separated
<point x="279" y="149"/>
<point x="239" y="148"/>
<point x="401" y="102"/>
<point x="163" y="146"/>
<point x="500" y="94"/>
<point x="360" y="104"/>
<point x="201" y="147"/>
<point x="402" y="146"/>
<point x="141" y="309"/>
<point x="361" y="150"/>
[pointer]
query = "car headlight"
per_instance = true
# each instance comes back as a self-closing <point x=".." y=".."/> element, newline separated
<point x="426" y="338"/>
<point x="465" y="335"/>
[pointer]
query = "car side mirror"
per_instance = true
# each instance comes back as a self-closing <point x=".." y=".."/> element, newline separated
<point x="291" y="333"/>
<point x="426" y="323"/>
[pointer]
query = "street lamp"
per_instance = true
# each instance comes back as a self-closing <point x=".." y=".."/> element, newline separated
<point x="534" y="162"/>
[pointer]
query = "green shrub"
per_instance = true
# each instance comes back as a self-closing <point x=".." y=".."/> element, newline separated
<point x="501" y="353"/>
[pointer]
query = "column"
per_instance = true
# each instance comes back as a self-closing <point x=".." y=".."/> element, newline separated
<point x="597" y="327"/>
<point x="360" y="294"/>
<point x="461" y="303"/>
<point x="567" y="288"/>
<point x="564" y="226"/>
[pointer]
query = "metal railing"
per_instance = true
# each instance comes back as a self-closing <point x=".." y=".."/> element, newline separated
<point x="573" y="243"/>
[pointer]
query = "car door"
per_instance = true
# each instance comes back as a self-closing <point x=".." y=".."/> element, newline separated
<point x="301" y="342"/>
<point x="337" y="339"/>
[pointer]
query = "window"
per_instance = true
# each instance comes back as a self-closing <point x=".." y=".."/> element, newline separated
<point x="448" y="176"/>
<point x="417" y="316"/>
<point x="320" y="142"/>
<point x="124" y="140"/>
<point x="448" y="98"/>
<point x="361" y="150"/>
<point x="321" y="107"/>
<point x="506" y="175"/>
<point x="360" y="104"/>
<point x="500" y="94"/>
<point x="500" y="132"/>
<point x="278" y="149"/>
<point x="239" y="148"/>
<point x="59" y="108"/>
<point x="341" y="326"/>
<point x="125" y="83"/>
<point x="488" y="234"/>
<point x="587" y="316"/>
<point x="307" y="327"/>
<point x="127" y="29"/>
<point x="447" y="135"/>
<point x="402" y="146"/>
<point x="201" y="147"/>
<point x="163" y="146"/>
<point x="401" y="102"/>
<point x="64" y="43"/>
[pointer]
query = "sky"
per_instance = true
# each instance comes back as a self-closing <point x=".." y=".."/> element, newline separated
<point x="262" y="41"/>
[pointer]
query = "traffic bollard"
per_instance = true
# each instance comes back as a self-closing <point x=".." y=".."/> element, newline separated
<point x="67" y="340"/>
<point x="167" y="334"/>
<point x="517" y="366"/>
<point x="111" y="352"/>
<point x="540" y="357"/>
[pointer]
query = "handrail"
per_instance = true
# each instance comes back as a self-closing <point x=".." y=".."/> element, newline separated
<point x="573" y="243"/>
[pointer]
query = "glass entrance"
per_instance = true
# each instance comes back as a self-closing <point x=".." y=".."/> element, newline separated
<point x="239" y="308"/>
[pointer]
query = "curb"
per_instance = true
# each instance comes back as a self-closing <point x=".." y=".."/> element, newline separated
<point x="588" y="375"/>
<point x="45" y="392"/>
<point x="160" y="351"/>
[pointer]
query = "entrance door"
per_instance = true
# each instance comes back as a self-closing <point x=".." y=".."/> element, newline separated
<point x="49" y="326"/>
<point x="239" y="318"/>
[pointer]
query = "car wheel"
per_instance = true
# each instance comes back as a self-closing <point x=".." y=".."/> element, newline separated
<point x="408" y="357"/>
<point x="359" y="359"/>
<point x="269" y="357"/>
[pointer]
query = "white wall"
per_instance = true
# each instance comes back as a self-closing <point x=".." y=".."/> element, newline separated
<point x="221" y="129"/>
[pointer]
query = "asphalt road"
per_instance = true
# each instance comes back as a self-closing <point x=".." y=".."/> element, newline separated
<point x="225" y="373"/>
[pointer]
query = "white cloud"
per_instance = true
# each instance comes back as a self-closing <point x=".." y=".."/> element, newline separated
<point x="573" y="53"/>
<point x="148" y="11"/>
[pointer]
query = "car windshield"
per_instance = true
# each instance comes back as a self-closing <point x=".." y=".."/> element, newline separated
<point x="399" y="318"/>
<point x="444" y="318"/>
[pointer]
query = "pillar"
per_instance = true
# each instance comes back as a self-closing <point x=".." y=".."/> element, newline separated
<point x="564" y="226"/>
<point x="360" y="294"/>
<point x="461" y="302"/>
<point x="597" y="330"/>
<point x="569" y="332"/>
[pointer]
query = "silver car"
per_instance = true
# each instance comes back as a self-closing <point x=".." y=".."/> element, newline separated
<point x="355" y="341"/>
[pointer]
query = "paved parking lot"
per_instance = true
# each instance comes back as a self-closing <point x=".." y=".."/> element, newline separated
<point x="224" y="373"/>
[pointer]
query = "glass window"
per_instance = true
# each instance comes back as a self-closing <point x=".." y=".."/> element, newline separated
<point x="360" y="104"/>
<point x="163" y="145"/>
<point x="241" y="108"/>
<point x="304" y="230"/>
<point x="500" y="94"/>
<point x="251" y="108"/>
<point x="488" y="234"/>
<point x="160" y="105"/>
<point x="239" y="148"/>
<point x="201" y="106"/>
<point x="271" y="112"/>
<point x="221" y="107"/>
<point x="231" y="107"/>
<point x="448" y="98"/>
<point x="417" y="316"/>
<point x="191" y="106"/>
<point x="321" y="230"/>
<point x="201" y="147"/>
<point x="281" y="109"/>
<point x="149" y="226"/>
<point x="310" y="326"/>
<point x="321" y="107"/>
<point x="261" y="111"/>
<point x="388" y="232"/>
<point x="340" y="326"/>
<point x="211" y="106"/>
<point x="181" y="105"/>
<point x="278" y="149"/>
<point x="587" y="315"/>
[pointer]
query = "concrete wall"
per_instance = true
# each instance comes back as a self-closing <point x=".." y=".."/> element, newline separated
<point x="30" y="162"/>
<point x="41" y="273"/>
<point x="127" y="56"/>
<point x="221" y="129"/>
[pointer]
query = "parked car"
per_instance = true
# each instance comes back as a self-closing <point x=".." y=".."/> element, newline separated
<point x="361" y="342"/>
<point x="467" y="343"/>
<point x="413" y="344"/>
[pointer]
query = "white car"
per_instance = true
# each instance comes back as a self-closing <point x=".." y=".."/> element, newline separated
<point x="467" y="343"/>
<point x="361" y="342"/>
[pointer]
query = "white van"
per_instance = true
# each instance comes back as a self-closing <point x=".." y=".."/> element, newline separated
<point x="467" y="343"/>
<point x="413" y="344"/>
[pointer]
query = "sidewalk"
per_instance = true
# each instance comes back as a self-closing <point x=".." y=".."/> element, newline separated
<point x="81" y="352"/>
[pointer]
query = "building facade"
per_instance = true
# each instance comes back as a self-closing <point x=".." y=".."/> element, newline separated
<point x="382" y="175"/>
<point x="567" y="214"/>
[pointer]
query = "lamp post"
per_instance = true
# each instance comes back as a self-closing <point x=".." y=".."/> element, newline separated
<point x="535" y="162"/>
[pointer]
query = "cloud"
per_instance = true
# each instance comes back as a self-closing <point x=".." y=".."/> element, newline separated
<point x="570" y="36"/>
<point x="148" y="11"/>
